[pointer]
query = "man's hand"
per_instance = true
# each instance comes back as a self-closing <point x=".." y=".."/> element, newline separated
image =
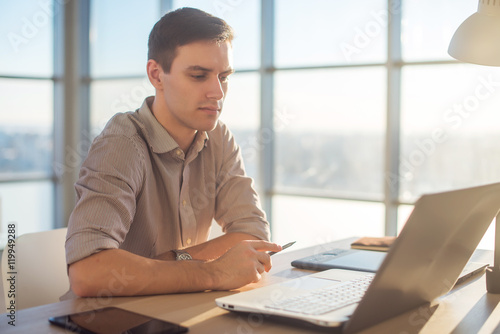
<point x="242" y="264"/>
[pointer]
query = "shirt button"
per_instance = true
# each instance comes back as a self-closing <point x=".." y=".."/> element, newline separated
<point x="184" y="203"/>
<point x="178" y="152"/>
<point x="188" y="241"/>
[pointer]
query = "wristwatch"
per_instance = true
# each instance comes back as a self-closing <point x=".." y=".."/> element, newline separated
<point x="181" y="255"/>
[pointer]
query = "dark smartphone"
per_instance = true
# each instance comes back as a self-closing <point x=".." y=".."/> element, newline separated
<point x="112" y="320"/>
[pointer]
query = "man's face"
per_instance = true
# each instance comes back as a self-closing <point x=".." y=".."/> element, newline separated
<point x="196" y="86"/>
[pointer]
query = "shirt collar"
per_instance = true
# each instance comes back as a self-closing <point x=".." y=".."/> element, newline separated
<point x="200" y="141"/>
<point x="158" y="137"/>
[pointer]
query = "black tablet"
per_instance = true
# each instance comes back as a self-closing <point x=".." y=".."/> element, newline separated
<point x="111" y="320"/>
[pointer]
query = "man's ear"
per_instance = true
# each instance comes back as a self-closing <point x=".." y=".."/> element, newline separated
<point x="154" y="71"/>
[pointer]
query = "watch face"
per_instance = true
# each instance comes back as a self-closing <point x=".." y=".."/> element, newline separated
<point x="184" y="256"/>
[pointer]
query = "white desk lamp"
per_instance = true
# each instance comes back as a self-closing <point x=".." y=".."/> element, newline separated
<point x="477" y="41"/>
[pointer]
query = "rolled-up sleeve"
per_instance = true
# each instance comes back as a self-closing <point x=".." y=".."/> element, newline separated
<point x="110" y="179"/>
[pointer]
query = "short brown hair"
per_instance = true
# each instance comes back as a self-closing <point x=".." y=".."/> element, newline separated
<point x="181" y="27"/>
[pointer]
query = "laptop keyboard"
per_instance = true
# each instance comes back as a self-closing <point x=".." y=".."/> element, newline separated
<point x="327" y="299"/>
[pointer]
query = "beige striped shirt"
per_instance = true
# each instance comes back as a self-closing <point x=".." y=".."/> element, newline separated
<point x="138" y="191"/>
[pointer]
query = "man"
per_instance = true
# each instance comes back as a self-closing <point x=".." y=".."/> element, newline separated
<point x="155" y="179"/>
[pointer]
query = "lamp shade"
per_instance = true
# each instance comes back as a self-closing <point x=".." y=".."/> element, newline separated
<point x="477" y="39"/>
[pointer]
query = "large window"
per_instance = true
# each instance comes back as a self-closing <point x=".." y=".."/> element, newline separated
<point x="346" y="111"/>
<point x="27" y="116"/>
<point x="331" y="84"/>
<point x="448" y="110"/>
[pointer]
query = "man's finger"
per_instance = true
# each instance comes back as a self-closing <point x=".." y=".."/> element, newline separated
<point x="265" y="260"/>
<point x="262" y="245"/>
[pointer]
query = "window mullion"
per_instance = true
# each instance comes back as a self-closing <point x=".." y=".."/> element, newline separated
<point x="71" y="101"/>
<point x="266" y="162"/>
<point x="392" y="152"/>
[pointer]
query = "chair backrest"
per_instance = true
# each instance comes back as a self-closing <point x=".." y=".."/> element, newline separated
<point x="40" y="267"/>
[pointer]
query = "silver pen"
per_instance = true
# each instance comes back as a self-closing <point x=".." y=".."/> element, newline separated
<point x="282" y="248"/>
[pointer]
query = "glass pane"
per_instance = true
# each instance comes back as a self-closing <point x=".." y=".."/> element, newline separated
<point x="242" y="115"/>
<point x="108" y="97"/>
<point x="26" y="129"/>
<point x="449" y="128"/>
<point x="331" y="128"/>
<point x="488" y="241"/>
<point x="119" y="36"/>
<point x="315" y="221"/>
<point x="322" y="32"/>
<point x="244" y="17"/>
<point x="404" y="212"/>
<point x="428" y="25"/>
<point x="26" y="28"/>
<point x="14" y="198"/>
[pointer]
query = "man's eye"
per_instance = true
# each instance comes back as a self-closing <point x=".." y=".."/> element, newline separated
<point x="198" y="77"/>
<point x="224" y="79"/>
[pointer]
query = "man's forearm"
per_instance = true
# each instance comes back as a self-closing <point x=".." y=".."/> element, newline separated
<point x="211" y="249"/>
<point x="214" y="248"/>
<point x="121" y="273"/>
<point x="116" y="272"/>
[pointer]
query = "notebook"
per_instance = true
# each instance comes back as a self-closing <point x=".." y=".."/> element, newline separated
<point x="424" y="263"/>
<point x="365" y="260"/>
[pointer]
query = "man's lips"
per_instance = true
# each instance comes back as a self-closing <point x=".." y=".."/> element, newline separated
<point x="210" y="109"/>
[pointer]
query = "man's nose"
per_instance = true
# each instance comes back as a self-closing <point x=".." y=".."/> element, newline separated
<point x="215" y="89"/>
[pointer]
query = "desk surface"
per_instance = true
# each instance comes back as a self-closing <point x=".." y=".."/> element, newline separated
<point x="466" y="309"/>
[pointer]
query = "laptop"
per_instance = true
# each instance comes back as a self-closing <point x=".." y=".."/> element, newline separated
<point x="424" y="263"/>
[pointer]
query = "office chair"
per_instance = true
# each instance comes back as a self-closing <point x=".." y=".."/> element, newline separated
<point x="40" y="264"/>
